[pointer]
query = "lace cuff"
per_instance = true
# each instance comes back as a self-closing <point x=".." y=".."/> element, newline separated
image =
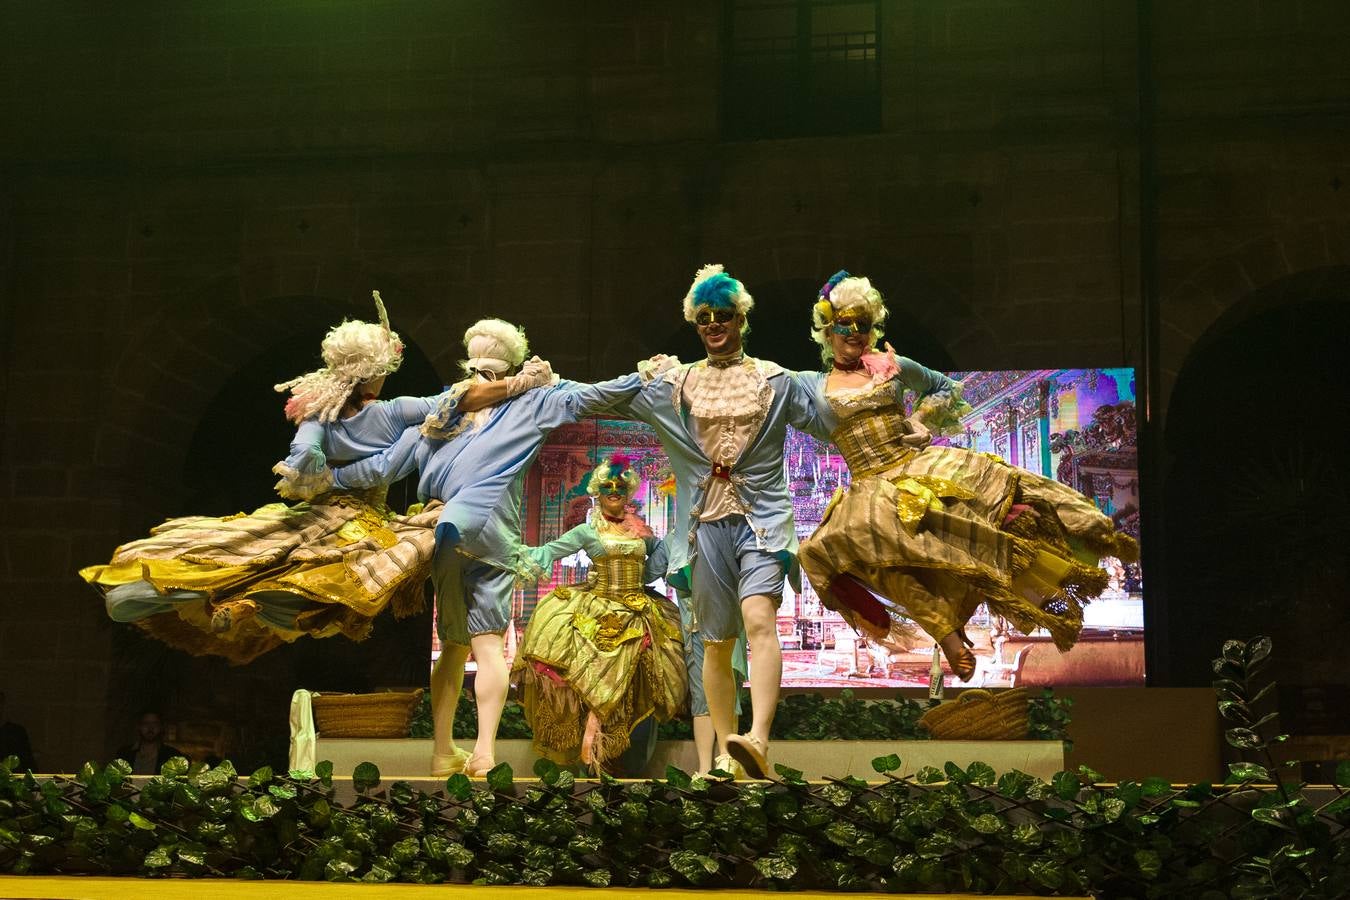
<point x="942" y="412"/>
<point x="297" y="485"/>
<point x="446" y="420"/>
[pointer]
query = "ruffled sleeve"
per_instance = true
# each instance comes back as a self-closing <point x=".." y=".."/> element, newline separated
<point x="540" y="559"/>
<point x="304" y="472"/>
<point x="939" y="405"/>
<point x="446" y="419"/>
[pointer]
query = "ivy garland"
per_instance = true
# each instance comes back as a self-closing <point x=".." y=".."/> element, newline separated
<point x="941" y="830"/>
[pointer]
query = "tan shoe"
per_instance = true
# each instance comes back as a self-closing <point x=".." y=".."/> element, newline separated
<point x="443" y="765"/>
<point x="751" y="753"/>
<point x="726" y="764"/>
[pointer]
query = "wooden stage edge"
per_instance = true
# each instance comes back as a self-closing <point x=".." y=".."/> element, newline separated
<point x="46" y="887"/>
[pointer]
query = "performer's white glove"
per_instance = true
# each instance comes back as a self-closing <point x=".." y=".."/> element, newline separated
<point x="534" y="373"/>
<point x="658" y="365"/>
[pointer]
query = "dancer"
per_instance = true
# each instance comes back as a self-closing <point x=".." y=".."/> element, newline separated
<point x="238" y="586"/>
<point x="475" y="463"/>
<point x="927" y="533"/>
<point x="599" y="657"/>
<point x="722" y="422"/>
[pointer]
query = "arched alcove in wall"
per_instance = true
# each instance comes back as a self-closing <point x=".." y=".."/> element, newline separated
<point x="1256" y="539"/>
<point x="213" y="456"/>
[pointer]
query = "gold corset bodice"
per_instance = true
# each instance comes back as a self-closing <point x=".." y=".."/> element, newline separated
<point x="871" y="441"/>
<point x="617" y="575"/>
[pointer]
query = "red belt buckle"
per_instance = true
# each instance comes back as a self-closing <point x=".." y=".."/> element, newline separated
<point x="721" y="471"/>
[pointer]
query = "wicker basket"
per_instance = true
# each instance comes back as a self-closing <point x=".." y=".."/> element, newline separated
<point x="384" y="715"/>
<point x="980" y="715"/>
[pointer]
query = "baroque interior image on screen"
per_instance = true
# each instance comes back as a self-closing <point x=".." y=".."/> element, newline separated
<point x="1076" y="426"/>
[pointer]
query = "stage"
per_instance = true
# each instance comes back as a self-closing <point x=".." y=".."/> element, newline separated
<point x="408" y="758"/>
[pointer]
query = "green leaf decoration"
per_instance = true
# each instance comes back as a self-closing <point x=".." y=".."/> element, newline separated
<point x="159" y="857"/>
<point x="1256" y="651"/>
<point x="499" y="777"/>
<point x="546" y="770"/>
<point x="981" y="774"/>
<point x="598" y="877"/>
<point x="776" y="867"/>
<point x="1066" y="785"/>
<point x="324" y="772"/>
<point x="1149" y="863"/>
<point x="175" y="767"/>
<point x="141" y="822"/>
<point x="696" y="868"/>
<point x="1244" y="739"/>
<point x="1156" y="787"/>
<point x="677" y="778"/>
<point x="365" y="777"/>
<point x="1246" y="771"/>
<point x="987" y="823"/>
<point x="884" y="764"/>
<point x="300" y="775"/>
<point x="260" y="777"/>
<point x="459" y="786"/>
<point x="1342" y="776"/>
<point x="929" y="775"/>
<point x="788" y="774"/>
<point x="1277" y="818"/>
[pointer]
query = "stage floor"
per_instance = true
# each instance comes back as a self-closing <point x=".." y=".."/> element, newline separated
<point x="410" y="757"/>
<point x="43" y="887"/>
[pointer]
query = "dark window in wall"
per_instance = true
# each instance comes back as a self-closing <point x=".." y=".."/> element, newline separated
<point x="801" y="67"/>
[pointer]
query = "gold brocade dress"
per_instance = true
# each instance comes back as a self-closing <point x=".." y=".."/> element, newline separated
<point x="935" y="531"/>
<point x="605" y="646"/>
<point x="320" y="568"/>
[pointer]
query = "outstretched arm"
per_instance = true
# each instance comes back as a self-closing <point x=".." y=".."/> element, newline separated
<point x="570" y="401"/>
<point x="803" y="413"/>
<point x="564" y="545"/>
<point x="385" y="467"/>
<point x="482" y="394"/>
<point x="304" y="472"/>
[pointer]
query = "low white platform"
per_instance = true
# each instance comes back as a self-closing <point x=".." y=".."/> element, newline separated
<point x="409" y="758"/>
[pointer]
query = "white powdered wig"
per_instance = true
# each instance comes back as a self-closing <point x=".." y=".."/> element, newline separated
<point x="353" y="353"/>
<point x="724" y="291"/>
<point x="854" y="295"/>
<point x="494" y="345"/>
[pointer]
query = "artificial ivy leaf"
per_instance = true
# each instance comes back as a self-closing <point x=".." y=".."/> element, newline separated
<point x="159" y="857"/>
<point x="1277" y="817"/>
<point x="141" y="822"/>
<point x="1247" y="771"/>
<point x="981" y="774"/>
<point x="324" y="772"/>
<point x="884" y="764"/>
<point x="929" y="775"/>
<point x="192" y="854"/>
<point x="405" y="851"/>
<point x="1066" y="785"/>
<point x="1257" y="650"/>
<point x="1244" y="739"/>
<point x="1014" y="784"/>
<point x="1112" y="808"/>
<point x="597" y="877"/>
<point x="380" y="872"/>
<point x="117" y="814"/>
<point x="300" y="775"/>
<point x="1149" y="863"/>
<point x="677" y="778"/>
<point x="499" y="777"/>
<point x="836" y="795"/>
<point x="546" y="770"/>
<point x="880" y="810"/>
<point x="843" y="833"/>
<point x="1028" y="835"/>
<point x="260" y="777"/>
<point x="338" y="870"/>
<point x="987" y="823"/>
<point x="776" y="867"/>
<point x="695" y="867"/>
<point x="175" y="767"/>
<point x="365" y="777"/>
<point x="459" y="786"/>
<point x="789" y="774"/>
<point x="283" y="791"/>
<point x="1156" y="787"/>
<point x="1048" y="873"/>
